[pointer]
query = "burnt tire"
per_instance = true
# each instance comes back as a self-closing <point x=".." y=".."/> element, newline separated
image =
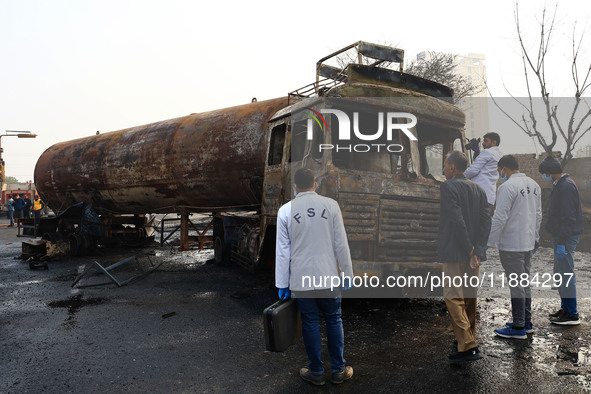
<point x="221" y="248"/>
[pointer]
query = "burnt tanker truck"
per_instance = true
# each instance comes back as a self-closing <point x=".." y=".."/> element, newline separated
<point x="236" y="164"/>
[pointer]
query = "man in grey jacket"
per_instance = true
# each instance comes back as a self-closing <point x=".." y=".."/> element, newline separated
<point x="515" y="231"/>
<point x="464" y="225"/>
<point x="311" y="248"/>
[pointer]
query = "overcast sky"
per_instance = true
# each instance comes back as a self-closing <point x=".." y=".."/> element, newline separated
<point x="70" y="68"/>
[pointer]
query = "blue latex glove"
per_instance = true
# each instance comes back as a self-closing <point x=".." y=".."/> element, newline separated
<point x="560" y="251"/>
<point x="284" y="294"/>
<point x="347" y="283"/>
<point x="534" y="251"/>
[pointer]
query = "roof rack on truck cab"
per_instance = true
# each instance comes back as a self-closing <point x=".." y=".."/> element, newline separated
<point x="375" y="73"/>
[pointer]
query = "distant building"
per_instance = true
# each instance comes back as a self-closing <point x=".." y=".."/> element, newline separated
<point x="473" y="68"/>
<point x="583" y="152"/>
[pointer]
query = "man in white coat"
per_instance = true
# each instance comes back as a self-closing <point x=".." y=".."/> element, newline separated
<point x="515" y="232"/>
<point x="311" y="248"/>
<point x="483" y="170"/>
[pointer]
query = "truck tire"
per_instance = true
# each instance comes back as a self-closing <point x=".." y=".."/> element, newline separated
<point x="221" y="248"/>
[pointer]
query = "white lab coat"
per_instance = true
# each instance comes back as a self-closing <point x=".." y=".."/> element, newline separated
<point x="484" y="171"/>
<point x="311" y="241"/>
<point x="518" y="215"/>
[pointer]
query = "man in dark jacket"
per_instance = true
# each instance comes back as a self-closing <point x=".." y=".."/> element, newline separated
<point x="19" y="205"/>
<point x="565" y="223"/>
<point x="464" y="226"/>
<point x="27" y="207"/>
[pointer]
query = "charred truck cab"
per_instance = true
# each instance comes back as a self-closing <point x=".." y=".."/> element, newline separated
<point x="374" y="136"/>
<point x="386" y="181"/>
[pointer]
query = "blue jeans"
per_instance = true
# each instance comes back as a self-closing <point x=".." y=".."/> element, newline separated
<point x="568" y="294"/>
<point x="11" y="217"/>
<point x="331" y="309"/>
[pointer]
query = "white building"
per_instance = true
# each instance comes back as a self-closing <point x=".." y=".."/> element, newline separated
<point x="472" y="67"/>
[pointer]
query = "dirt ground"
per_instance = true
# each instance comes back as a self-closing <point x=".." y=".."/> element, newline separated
<point x="196" y="327"/>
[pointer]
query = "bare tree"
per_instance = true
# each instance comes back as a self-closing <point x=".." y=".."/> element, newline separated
<point x="570" y="127"/>
<point x="442" y="68"/>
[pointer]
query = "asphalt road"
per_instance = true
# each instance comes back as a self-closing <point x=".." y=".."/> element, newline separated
<point x="196" y="327"/>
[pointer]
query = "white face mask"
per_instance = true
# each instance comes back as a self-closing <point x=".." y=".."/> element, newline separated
<point x="547" y="178"/>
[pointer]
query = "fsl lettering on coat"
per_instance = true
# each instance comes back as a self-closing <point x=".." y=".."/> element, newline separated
<point x="523" y="192"/>
<point x="310" y="212"/>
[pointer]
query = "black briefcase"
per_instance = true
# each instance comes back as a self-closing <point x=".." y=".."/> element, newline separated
<point x="283" y="325"/>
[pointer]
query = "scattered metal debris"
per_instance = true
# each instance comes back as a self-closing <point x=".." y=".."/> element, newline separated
<point x="108" y="271"/>
<point x="33" y="248"/>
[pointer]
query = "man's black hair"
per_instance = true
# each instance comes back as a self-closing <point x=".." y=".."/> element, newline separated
<point x="510" y="162"/>
<point x="304" y="179"/>
<point x="493" y="137"/>
<point x="458" y="159"/>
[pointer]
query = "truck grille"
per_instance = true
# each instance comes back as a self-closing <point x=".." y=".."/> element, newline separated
<point x="401" y="230"/>
<point x="408" y="230"/>
<point x="360" y="216"/>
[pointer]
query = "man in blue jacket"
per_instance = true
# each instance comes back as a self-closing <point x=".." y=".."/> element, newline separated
<point x="565" y="223"/>
<point x="10" y="209"/>
<point x="19" y="205"/>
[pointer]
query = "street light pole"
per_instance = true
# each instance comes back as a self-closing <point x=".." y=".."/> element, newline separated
<point x="11" y="133"/>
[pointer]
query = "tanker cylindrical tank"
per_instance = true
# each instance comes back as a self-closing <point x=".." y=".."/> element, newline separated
<point x="202" y="162"/>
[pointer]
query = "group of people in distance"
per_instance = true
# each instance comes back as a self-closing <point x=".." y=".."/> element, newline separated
<point x="474" y="216"/>
<point x="19" y="206"/>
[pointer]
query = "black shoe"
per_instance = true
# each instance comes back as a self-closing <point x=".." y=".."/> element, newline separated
<point x="556" y="314"/>
<point x="454" y="345"/>
<point x="340" y="377"/>
<point x="566" y="320"/>
<point x="308" y="376"/>
<point x="469" y="355"/>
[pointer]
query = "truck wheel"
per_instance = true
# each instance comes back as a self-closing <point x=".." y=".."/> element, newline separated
<point x="218" y="249"/>
<point x="221" y="249"/>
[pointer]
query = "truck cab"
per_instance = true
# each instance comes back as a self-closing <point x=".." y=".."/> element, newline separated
<point x="376" y="139"/>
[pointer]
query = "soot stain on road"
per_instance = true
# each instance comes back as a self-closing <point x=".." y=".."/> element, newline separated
<point x="75" y="303"/>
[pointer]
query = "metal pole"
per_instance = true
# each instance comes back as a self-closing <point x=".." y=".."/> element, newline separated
<point x="3" y="172"/>
<point x="184" y="231"/>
